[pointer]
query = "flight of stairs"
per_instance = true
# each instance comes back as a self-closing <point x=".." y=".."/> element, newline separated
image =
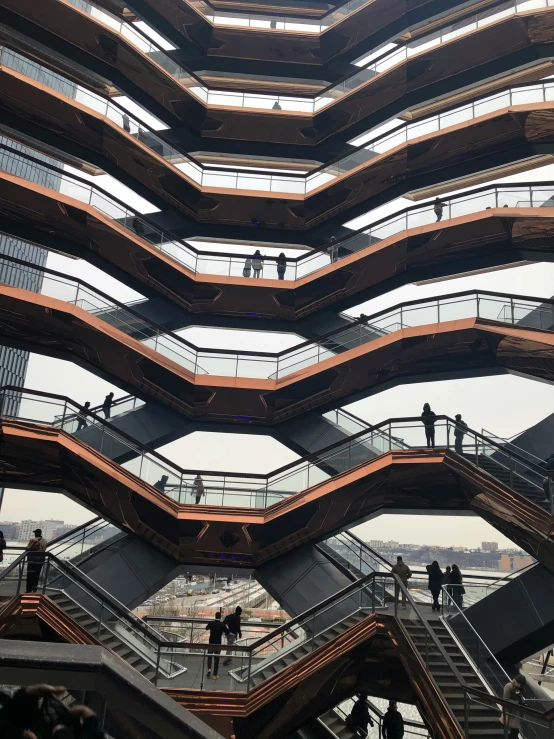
<point x="270" y="667"/>
<point x="519" y="484"/>
<point x="106" y="636"/>
<point x="336" y="724"/>
<point x="483" y="720"/>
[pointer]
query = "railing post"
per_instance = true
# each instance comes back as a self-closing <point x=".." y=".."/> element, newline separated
<point x="21" y="568"/>
<point x="46" y="573"/>
<point x="466" y="714"/>
<point x="100" y="621"/>
<point x="157" y="666"/>
<point x="426" y="649"/>
<point x="373" y="595"/>
<point x="249" y="671"/>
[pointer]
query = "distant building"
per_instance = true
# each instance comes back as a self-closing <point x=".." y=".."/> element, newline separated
<point x="9" y="529"/>
<point x="375" y="543"/>
<point x="48" y="527"/>
<point x="489" y="546"/>
<point x="520" y="561"/>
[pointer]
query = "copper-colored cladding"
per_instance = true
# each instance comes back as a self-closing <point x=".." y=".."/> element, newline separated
<point x="373" y="656"/>
<point x="33" y="615"/>
<point x="413" y="80"/>
<point x="44" y="458"/>
<point x="511" y="134"/>
<point x="49" y="326"/>
<point x="360" y="660"/>
<point x="352" y="31"/>
<point x="487" y="239"/>
<point x="363" y="659"/>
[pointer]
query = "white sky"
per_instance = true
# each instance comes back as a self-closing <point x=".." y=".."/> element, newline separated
<point x="504" y="405"/>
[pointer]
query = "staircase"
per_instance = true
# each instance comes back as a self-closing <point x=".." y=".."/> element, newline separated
<point x="483" y="721"/>
<point x="337" y="725"/>
<point x="525" y="487"/>
<point x="107" y="636"/>
<point x="295" y="651"/>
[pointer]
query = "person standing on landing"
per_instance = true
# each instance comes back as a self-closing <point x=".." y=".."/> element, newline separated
<point x="435" y="583"/>
<point x="232" y="621"/>
<point x="216" y="628"/>
<point x="35" y="559"/>
<point x="198" y="489"/>
<point x="429" y="418"/>
<point x="459" y="431"/>
<point x="404" y="573"/>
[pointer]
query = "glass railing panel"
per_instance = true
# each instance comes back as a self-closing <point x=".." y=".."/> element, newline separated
<point x="457" y="309"/>
<point x="82" y="541"/>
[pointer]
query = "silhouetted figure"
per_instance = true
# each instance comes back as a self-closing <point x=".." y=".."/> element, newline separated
<point x="457" y="586"/>
<point x="162" y="482"/>
<point x="281" y="266"/>
<point x="257" y="263"/>
<point x="393" y="723"/>
<point x="459" y="432"/>
<point x="232" y="621"/>
<point x="35" y="559"/>
<point x="429" y="418"/>
<point x="273" y="24"/>
<point x="438" y="207"/>
<point x="81" y="423"/>
<point x="276" y="106"/>
<point x="333" y="250"/>
<point x="107" y="405"/>
<point x="198" y="489"/>
<point x="435" y="583"/>
<point x="126" y="122"/>
<point x="402" y="570"/>
<point x="216" y="628"/>
<point x="3" y="545"/>
<point x="513" y="691"/>
<point x="138" y="227"/>
<point x="247" y="267"/>
<point x="359" y="718"/>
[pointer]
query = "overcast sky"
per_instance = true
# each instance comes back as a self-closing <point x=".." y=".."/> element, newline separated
<point x="504" y="405"/>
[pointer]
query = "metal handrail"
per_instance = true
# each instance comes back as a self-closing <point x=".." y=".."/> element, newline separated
<point x="448" y="598"/>
<point x="459" y="677"/>
<point x="320" y="339"/>
<point x="279" y="471"/>
<point x="290" y="260"/>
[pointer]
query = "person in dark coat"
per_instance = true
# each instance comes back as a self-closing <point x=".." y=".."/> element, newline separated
<point x="257" y="263"/>
<point x="435" y="583"/>
<point x="359" y="718"/>
<point x="281" y="266"/>
<point x="162" y="482"/>
<point x="429" y="418"/>
<point x="393" y="723"/>
<point x="457" y="586"/>
<point x="232" y="621"/>
<point x="81" y="421"/>
<point x="460" y="429"/>
<point x="216" y="628"/>
<point x="438" y="207"/>
<point x="107" y="405"/>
